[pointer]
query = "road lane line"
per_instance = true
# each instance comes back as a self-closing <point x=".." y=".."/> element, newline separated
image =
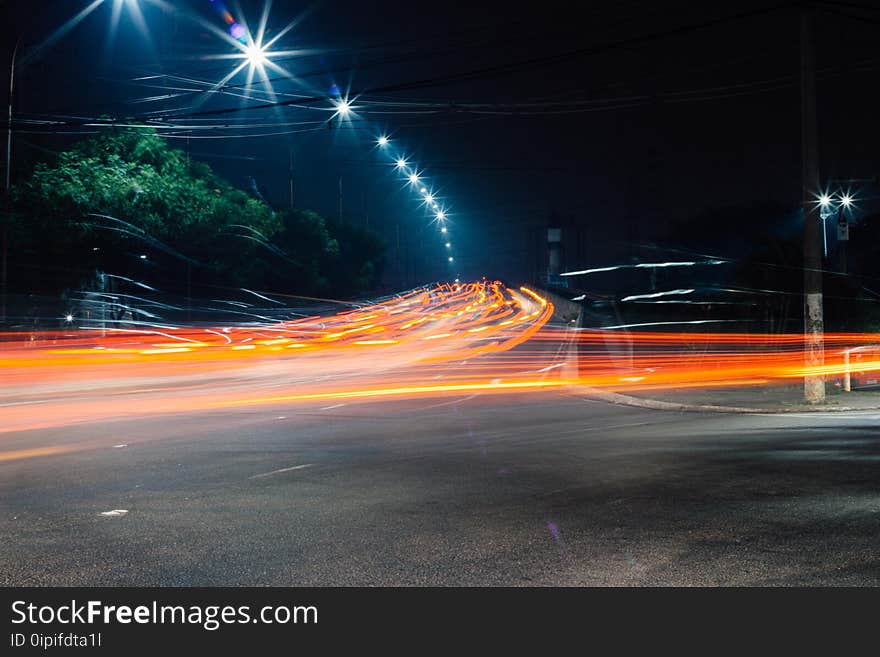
<point x="294" y="467"/>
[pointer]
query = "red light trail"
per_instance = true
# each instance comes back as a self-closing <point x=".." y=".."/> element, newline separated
<point x="452" y="339"/>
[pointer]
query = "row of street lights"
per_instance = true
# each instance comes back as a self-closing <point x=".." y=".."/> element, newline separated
<point x="415" y="178"/>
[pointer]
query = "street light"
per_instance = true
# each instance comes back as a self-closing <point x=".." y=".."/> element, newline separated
<point x="255" y="55"/>
<point x="441" y="215"/>
<point x="414" y="178"/>
<point x="382" y="141"/>
<point x="343" y="107"/>
<point x="401" y="163"/>
<point x="827" y="209"/>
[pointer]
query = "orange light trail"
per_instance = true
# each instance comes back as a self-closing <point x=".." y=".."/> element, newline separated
<point x="479" y="337"/>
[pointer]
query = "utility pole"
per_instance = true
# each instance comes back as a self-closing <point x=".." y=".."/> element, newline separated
<point x="290" y="180"/>
<point x="814" y="329"/>
<point x="340" y="198"/>
<point x="364" y="208"/>
<point x="397" y="253"/>
<point x="7" y="188"/>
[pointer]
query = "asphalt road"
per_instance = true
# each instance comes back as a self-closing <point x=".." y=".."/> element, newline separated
<point x="539" y="488"/>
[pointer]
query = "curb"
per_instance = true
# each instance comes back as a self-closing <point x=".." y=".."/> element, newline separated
<point x="628" y="400"/>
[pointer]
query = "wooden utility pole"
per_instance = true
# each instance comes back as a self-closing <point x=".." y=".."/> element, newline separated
<point x="814" y="325"/>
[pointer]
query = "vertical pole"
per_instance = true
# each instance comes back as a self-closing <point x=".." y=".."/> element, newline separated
<point x="340" y="198"/>
<point x="364" y="208"/>
<point x="397" y="251"/>
<point x="291" y="190"/>
<point x="7" y="187"/>
<point x="188" y="291"/>
<point x="814" y="347"/>
<point x="847" y="382"/>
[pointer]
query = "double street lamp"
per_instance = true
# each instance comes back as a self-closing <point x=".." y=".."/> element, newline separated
<point x="830" y="205"/>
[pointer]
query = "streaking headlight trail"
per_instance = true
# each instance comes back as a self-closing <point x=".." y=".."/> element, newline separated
<point x="451" y="339"/>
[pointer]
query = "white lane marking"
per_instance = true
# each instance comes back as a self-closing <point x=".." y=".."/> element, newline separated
<point x="294" y="467"/>
<point x="327" y="408"/>
<point x="448" y="403"/>
<point x="120" y="445"/>
<point x="114" y="513"/>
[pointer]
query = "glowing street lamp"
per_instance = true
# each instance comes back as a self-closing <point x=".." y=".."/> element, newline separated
<point x="443" y="230"/>
<point x="343" y="107"/>
<point x="441" y="215"/>
<point x="450" y="258"/>
<point x="255" y="55"/>
<point x="414" y="178"/>
<point x="448" y="245"/>
<point x="382" y="141"/>
<point x="401" y="163"/>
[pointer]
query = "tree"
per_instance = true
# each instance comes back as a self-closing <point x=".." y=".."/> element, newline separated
<point x="111" y="199"/>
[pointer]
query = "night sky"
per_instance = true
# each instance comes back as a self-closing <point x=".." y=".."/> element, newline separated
<point x="621" y="118"/>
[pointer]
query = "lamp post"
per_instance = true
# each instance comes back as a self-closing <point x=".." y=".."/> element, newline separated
<point x="839" y="205"/>
<point x="7" y="187"/>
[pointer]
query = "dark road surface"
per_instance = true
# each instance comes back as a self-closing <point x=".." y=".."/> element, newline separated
<point x="530" y="489"/>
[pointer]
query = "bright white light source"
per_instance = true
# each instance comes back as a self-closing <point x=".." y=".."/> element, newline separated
<point x="255" y="55"/>
<point x="441" y="215"/>
<point x="383" y="141"/>
<point x="457" y="281"/>
<point x="846" y="200"/>
<point x="824" y="200"/>
<point x="443" y="230"/>
<point x="68" y="318"/>
<point x="143" y="256"/>
<point x="429" y="198"/>
<point x="401" y="163"/>
<point x="414" y="178"/>
<point x="343" y="107"/>
<point x="448" y="245"/>
<point x="450" y="258"/>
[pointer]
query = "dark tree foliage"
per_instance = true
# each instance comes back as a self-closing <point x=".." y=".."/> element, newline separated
<point x="125" y="194"/>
